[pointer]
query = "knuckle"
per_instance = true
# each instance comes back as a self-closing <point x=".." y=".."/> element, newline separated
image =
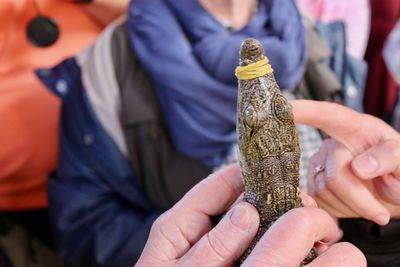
<point x="270" y="260"/>
<point x="394" y="146"/>
<point x="320" y="184"/>
<point x="169" y="235"/>
<point x="159" y="222"/>
<point x="332" y="182"/>
<point x="302" y="218"/>
<point x="315" y="157"/>
<point x="330" y="144"/>
<point x="217" y="245"/>
<point x="159" y="225"/>
<point x="320" y="192"/>
<point x="327" y="142"/>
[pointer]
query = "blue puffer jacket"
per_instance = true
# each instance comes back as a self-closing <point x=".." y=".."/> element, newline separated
<point x="101" y="216"/>
<point x="350" y="71"/>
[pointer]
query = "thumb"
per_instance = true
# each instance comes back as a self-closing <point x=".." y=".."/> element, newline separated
<point x="227" y="241"/>
<point x="381" y="159"/>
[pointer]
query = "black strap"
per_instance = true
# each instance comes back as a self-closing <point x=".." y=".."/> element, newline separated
<point x="164" y="173"/>
<point x="380" y="244"/>
<point x="4" y="260"/>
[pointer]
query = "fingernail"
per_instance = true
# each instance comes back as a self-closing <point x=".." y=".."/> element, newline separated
<point x="308" y="202"/>
<point x="365" y="164"/>
<point x="305" y="202"/>
<point x="241" y="217"/>
<point x="321" y="247"/>
<point x="382" y="219"/>
<point x="340" y="234"/>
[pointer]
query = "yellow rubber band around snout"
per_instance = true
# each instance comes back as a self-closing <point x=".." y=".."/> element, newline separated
<point x="254" y="70"/>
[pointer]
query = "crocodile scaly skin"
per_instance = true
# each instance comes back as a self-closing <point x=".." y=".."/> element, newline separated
<point x="269" y="152"/>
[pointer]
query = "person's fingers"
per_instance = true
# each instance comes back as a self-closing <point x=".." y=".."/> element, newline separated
<point x="307" y="200"/>
<point x="310" y="113"/>
<point x="388" y="188"/>
<point x="324" y="197"/>
<point x="291" y="238"/>
<point x="192" y="213"/>
<point x="206" y="197"/>
<point x="335" y="207"/>
<point x="355" y="130"/>
<point x="317" y="186"/>
<point x="316" y="161"/>
<point x="227" y="241"/>
<point x="321" y="247"/>
<point x="340" y="254"/>
<point x="341" y="181"/>
<point x="381" y="159"/>
<point x="337" y="190"/>
<point x="186" y="222"/>
<point x="238" y="199"/>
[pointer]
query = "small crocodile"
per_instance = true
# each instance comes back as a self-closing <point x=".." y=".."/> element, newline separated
<point x="269" y="152"/>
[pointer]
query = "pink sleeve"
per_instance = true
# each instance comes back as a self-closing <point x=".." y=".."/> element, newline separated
<point x="355" y="14"/>
<point x="313" y="8"/>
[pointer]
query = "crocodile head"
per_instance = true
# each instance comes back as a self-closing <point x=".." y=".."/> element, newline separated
<point x="251" y="51"/>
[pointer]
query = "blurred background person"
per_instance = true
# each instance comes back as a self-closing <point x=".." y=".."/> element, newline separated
<point x="194" y="79"/>
<point x="356" y="16"/>
<point x="381" y="91"/>
<point x="356" y="178"/>
<point x="157" y="102"/>
<point x="391" y="54"/>
<point x="381" y="95"/>
<point x="157" y="98"/>
<point x="337" y="35"/>
<point x="35" y="33"/>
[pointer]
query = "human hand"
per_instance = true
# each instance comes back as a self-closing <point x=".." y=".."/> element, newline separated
<point x="292" y="236"/>
<point x="185" y="236"/>
<point x="348" y="187"/>
<point x="361" y="176"/>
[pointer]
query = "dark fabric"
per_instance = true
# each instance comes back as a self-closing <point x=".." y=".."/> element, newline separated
<point x="319" y="82"/>
<point x="190" y="58"/>
<point x="165" y="173"/>
<point x="5" y="224"/>
<point x="380" y="244"/>
<point x="99" y="212"/>
<point x="5" y="227"/>
<point x="25" y="240"/>
<point x="4" y="260"/>
<point x="36" y="222"/>
<point x="381" y="92"/>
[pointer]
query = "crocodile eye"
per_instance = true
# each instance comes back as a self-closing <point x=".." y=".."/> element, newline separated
<point x="250" y="117"/>
<point x="281" y="109"/>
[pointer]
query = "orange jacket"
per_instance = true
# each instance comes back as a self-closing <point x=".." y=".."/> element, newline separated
<point x="28" y="112"/>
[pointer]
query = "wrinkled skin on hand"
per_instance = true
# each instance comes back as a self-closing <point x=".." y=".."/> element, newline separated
<point x="362" y="170"/>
